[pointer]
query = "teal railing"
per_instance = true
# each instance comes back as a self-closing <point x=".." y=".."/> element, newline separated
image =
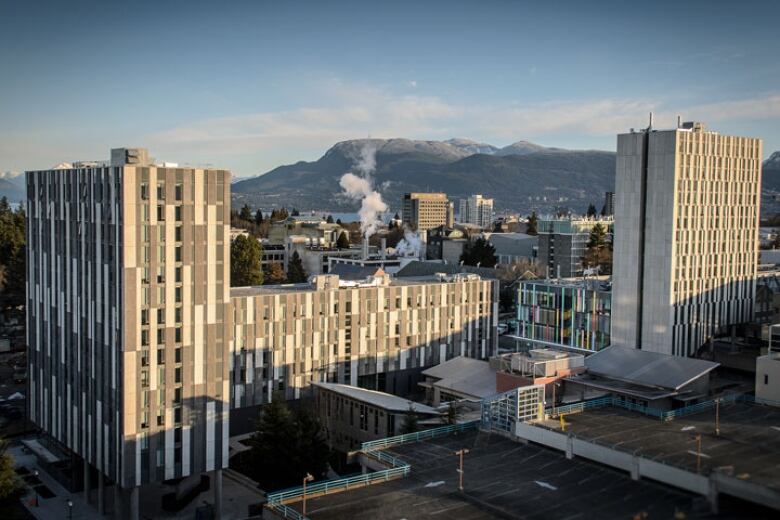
<point x="381" y="444"/>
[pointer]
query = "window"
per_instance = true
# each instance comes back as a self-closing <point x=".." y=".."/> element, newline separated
<point x="145" y="317"/>
<point x="178" y="334"/>
<point x="179" y="191"/>
<point x="177" y="375"/>
<point x="160" y="316"/>
<point x="160" y="213"/>
<point x="177" y="232"/>
<point x="160" y="356"/>
<point x="177" y="212"/>
<point x="160" y="191"/>
<point x="144" y="191"/>
<point x="160" y="336"/>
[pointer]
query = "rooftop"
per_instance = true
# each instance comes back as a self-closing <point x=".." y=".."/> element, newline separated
<point x="646" y="368"/>
<point x="502" y="479"/>
<point x="465" y="376"/>
<point x="382" y="400"/>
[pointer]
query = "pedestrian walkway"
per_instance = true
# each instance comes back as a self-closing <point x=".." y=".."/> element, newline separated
<point x="56" y="507"/>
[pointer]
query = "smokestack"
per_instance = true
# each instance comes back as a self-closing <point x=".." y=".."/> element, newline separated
<point x="558" y="272"/>
<point x="365" y="248"/>
<point x="679" y="121"/>
<point x="650" y="127"/>
<point x="383" y="249"/>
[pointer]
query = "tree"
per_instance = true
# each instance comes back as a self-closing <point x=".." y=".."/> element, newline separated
<point x="591" y="210"/>
<point x="410" y="423"/>
<point x="287" y="446"/>
<point x="295" y="213"/>
<point x="295" y="271"/>
<point x="13" y="264"/>
<point x="532" y="223"/>
<point x="480" y="252"/>
<point x="279" y="214"/>
<point x="343" y="241"/>
<point x="329" y="220"/>
<point x="258" y="217"/>
<point x="275" y="274"/>
<point x="598" y="250"/>
<point x="9" y="481"/>
<point x="246" y="213"/>
<point x="246" y="255"/>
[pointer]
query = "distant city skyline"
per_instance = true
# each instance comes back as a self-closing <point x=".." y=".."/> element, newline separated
<point x="250" y="86"/>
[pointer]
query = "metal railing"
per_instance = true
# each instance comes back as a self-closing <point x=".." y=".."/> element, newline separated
<point x="381" y="444"/>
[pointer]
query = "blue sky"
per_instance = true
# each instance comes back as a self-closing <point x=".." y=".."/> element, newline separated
<point x="251" y="85"/>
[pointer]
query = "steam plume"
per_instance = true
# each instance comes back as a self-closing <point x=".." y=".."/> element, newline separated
<point x="360" y="188"/>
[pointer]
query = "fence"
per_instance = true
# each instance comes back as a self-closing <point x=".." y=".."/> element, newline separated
<point x="381" y="444"/>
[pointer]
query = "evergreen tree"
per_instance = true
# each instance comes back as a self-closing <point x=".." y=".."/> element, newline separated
<point x="591" y="210"/>
<point x="246" y="254"/>
<point x="246" y="213"/>
<point x="452" y="414"/>
<point x="532" y="223"/>
<point x="9" y="481"/>
<point x="275" y="275"/>
<point x="295" y="271"/>
<point x="338" y="221"/>
<point x="258" y="217"/>
<point x="329" y="220"/>
<point x="343" y="241"/>
<point x="13" y="254"/>
<point x="598" y="250"/>
<point x="480" y="252"/>
<point x="295" y="213"/>
<point x="313" y="451"/>
<point x="411" y="421"/>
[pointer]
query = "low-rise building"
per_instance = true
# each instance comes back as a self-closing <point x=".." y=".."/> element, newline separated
<point x="513" y="247"/>
<point x="573" y="313"/>
<point x="542" y="366"/>
<point x="352" y="415"/>
<point x="458" y="379"/>
<point x="316" y="229"/>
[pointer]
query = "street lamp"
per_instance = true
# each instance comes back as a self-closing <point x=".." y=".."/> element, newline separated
<point x="461" y="453"/>
<point x="70" y="509"/>
<point x="307" y="478"/>
<point x="35" y="488"/>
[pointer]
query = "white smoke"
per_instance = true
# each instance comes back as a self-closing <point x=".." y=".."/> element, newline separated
<point x="9" y="175"/>
<point x="360" y="188"/>
<point x="409" y="245"/>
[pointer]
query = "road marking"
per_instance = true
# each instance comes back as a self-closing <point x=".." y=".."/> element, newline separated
<point x="545" y="485"/>
<point x="687" y="428"/>
<point x="434" y="484"/>
<point x="704" y="455"/>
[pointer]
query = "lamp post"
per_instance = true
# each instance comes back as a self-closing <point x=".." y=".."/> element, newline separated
<point x="717" y="416"/>
<point x="35" y="488"/>
<point x="698" y="453"/>
<point x="307" y="478"/>
<point x="460" y="454"/>
<point x="70" y="509"/>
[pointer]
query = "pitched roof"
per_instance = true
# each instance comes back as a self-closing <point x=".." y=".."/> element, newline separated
<point x="419" y="268"/>
<point x="647" y="368"/>
<point x="465" y="376"/>
<point x="383" y="400"/>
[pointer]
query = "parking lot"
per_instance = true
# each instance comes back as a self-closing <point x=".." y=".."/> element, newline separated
<point x="747" y="447"/>
<point x="504" y="479"/>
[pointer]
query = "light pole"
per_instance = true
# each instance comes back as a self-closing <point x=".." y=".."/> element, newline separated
<point x="460" y="454"/>
<point x="35" y="488"/>
<point x="70" y="509"/>
<point x="698" y="453"/>
<point x="717" y="416"/>
<point x="307" y="478"/>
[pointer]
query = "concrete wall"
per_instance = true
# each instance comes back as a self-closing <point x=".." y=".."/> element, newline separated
<point x="768" y="378"/>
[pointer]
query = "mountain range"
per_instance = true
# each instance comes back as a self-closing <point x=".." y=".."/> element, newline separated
<point x="12" y="186"/>
<point x="521" y="176"/>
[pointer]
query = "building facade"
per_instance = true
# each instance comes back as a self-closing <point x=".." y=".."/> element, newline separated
<point x="686" y="236"/>
<point x="562" y="242"/>
<point x="128" y="297"/>
<point x="377" y="334"/>
<point x="476" y="210"/>
<point x="568" y="313"/>
<point x="423" y="211"/>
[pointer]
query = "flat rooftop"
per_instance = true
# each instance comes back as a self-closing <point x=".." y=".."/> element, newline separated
<point x="503" y="479"/>
<point x="748" y="446"/>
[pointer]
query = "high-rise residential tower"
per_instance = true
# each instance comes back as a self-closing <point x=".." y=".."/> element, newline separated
<point x="128" y="297"/>
<point x="423" y="211"/>
<point x="686" y="236"/>
<point x="476" y="210"/>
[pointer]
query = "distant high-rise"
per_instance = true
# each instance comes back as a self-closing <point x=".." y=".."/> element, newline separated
<point x="609" y="203"/>
<point x="476" y="210"/>
<point x="423" y="211"/>
<point x="128" y="277"/>
<point x="686" y="237"/>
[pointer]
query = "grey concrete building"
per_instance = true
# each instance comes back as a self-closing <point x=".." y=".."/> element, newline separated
<point x="686" y="237"/>
<point x="476" y="210"/>
<point x="127" y="314"/>
<point x="379" y="333"/>
<point x="562" y="242"/>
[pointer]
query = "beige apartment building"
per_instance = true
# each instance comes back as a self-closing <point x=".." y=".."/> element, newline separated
<point x="686" y="237"/>
<point x="128" y="297"/>
<point x="378" y="333"/>
<point x="423" y="211"/>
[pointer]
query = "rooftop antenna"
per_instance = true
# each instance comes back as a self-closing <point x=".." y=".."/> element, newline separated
<point x="679" y="121"/>
<point x="650" y="127"/>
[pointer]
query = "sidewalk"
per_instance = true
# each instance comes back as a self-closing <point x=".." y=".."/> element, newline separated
<point x="56" y="507"/>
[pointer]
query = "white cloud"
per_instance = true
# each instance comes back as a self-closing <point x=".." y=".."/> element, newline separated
<point x="412" y="84"/>
<point x="347" y="111"/>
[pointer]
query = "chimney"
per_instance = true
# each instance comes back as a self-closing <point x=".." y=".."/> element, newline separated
<point x="365" y="248"/>
<point x="383" y="249"/>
